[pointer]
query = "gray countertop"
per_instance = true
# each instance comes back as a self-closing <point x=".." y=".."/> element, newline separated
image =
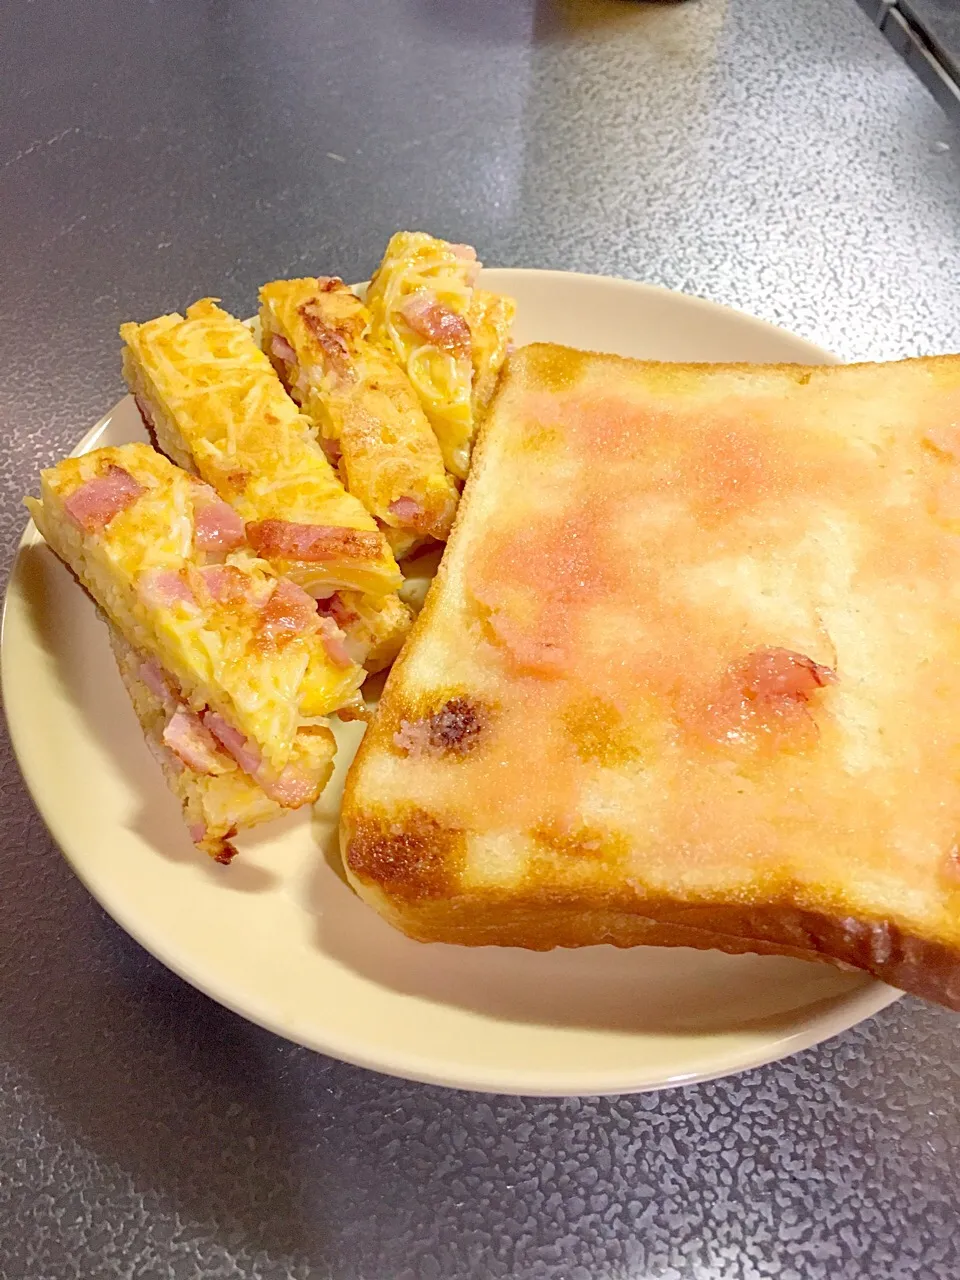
<point x="773" y="155"/>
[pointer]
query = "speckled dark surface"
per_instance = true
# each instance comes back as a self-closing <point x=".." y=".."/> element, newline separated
<point x="773" y="155"/>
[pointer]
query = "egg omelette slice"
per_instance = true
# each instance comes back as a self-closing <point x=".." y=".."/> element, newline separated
<point x="449" y="336"/>
<point x="361" y="403"/>
<point x="217" y="797"/>
<point x="251" y="663"/>
<point x="217" y="407"/>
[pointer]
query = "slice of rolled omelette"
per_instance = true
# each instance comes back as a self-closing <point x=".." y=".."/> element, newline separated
<point x="216" y="407"/>
<point x="449" y="336"/>
<point x="361" y="403"/>
<point x="252" y="661"/>
<point x="218" y="798"/>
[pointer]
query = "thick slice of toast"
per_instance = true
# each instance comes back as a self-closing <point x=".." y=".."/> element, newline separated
<point x="689" y="673"/>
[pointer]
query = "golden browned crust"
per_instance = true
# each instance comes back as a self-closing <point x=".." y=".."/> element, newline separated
<point x="542" y="921"/>
<point x="415" y="859"/>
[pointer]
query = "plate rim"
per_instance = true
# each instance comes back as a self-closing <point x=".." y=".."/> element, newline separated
<point x="842" y="1013"/>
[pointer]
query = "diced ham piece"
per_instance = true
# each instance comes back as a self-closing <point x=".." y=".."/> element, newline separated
<point x="407" y="510"/>
<point x="216" y="525"/>
<point x="356" y="638"/>
<point x="334" y="642"/>
<point x="289" y="612"/>
<point x="771" y="675"/>
<point x="282" y="349"/>
<point x="226" y="583"/>
<point x="157" y="680"/>
<point x="164" y="588"/>
<point x="437" y="323"/>
<point x="191" y="742"/>
<point x="291" y="789"/>
<point x="233" y="742"/>
<point x="95" y="503"/>
<point x="284" y="540"/>
<point x="338" y="610"/>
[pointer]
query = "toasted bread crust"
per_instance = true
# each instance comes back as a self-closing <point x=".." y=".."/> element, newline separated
<point x="878" y="889"/>
<point x="410" y="879"/>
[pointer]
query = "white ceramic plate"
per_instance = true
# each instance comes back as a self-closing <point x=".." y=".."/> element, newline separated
<point x="281" y="939"/>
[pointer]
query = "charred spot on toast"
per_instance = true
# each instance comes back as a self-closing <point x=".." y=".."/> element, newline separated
<point x="413" y="858"/>
<point x="453" y="729"/>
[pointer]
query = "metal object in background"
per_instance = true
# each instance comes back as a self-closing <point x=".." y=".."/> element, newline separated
<point x="926" y="33"/>
<point x="876" y="9"/>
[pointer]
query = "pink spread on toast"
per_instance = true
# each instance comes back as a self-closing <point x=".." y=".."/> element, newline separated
<point x="761" y="698"/>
